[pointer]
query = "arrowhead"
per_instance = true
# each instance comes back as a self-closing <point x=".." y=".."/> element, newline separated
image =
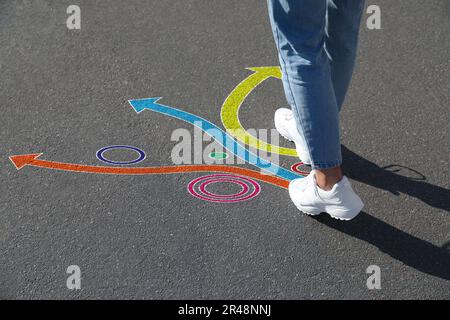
<point x="23" y="160"/>
<point x="142" y="104"/>
<point x="268" y="71"/>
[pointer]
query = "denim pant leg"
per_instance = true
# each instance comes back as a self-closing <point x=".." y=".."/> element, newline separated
<point x="342" y="29"/>
<point x="299" y="30"/>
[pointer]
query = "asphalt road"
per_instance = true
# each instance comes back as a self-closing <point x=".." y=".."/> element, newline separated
<point x="64" y="94"/>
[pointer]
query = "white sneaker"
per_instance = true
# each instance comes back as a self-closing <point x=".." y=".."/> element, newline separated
<point x="287" y="127"/>
<point x="340" y="203"/>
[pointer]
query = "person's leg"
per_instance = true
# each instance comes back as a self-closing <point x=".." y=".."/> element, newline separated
<point x="342" y="29"/>
<point x="341" y="43"/>
<point x="299" y="31"/>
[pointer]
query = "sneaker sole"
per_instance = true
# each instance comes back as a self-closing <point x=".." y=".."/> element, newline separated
<point x="285" y="136"/>
<point x="315" y="212"/>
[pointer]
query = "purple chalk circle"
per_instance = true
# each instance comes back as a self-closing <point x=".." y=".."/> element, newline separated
<point x="101" y="157"/>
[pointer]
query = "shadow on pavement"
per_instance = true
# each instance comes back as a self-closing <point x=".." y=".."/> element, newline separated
<point x="414" y="252"/>
<point x="386" y="178"/>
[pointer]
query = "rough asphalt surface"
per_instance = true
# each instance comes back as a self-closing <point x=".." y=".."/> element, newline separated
<point x="64" y="94"/>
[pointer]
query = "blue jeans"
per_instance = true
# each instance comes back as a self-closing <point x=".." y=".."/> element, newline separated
<point x="317" y="44"/>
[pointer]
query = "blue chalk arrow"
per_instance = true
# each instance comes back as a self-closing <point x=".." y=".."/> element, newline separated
<point x="223" y="138"/>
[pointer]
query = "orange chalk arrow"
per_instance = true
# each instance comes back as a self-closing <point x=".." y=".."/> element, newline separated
<point x="24" y="160"/>
<point x="21" y="161"/>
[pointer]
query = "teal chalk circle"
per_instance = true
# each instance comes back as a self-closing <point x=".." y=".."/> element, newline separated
<point x="218" y="155"/>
